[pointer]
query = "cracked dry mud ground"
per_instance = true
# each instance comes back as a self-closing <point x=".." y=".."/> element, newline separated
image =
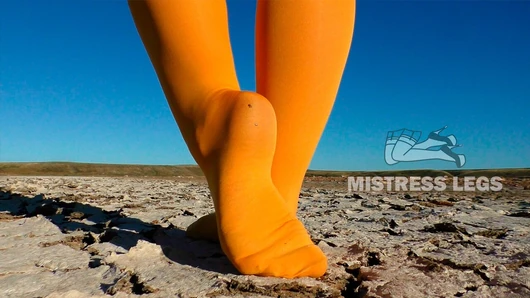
<point x="124" y="237"/>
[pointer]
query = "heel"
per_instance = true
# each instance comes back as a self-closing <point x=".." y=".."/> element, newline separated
<point x="439" y="130"/>
<point x="460" y="159"/>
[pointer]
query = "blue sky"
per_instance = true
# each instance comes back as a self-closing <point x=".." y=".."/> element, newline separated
<point x="76" y="83"/>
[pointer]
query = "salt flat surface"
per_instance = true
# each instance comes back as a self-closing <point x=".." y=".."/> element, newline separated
<point x="124" y="237"/>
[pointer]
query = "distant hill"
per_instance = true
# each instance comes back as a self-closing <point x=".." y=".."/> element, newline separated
<point x="505" y="173"/>
<point x="116" y="170"/>
<point x="90" y="169"/>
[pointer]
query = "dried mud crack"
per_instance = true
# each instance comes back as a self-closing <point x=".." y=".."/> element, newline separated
<point x="124" y="237"/>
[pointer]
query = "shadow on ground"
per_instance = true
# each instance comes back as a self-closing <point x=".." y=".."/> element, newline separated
<point x="115" y="227"/>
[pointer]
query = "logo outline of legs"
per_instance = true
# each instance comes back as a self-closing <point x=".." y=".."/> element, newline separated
<point x="403" y="145"/>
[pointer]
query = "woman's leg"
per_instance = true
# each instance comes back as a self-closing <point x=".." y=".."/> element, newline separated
<point x="230" y="133"/>
<point x="301" y="50"/>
